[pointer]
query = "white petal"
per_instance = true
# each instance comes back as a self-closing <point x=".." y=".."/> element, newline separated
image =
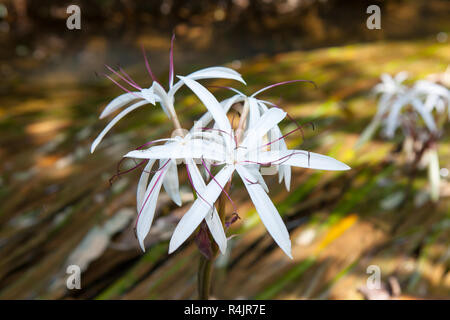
<point x="209" y="73"/>
<point x="254" y="170"/>
<point x="194" y="148"/>
<point x="212" y="218"/>
<point x="114" y="121"/>
<point x="206" y="118"/>
<point x="216" y="228"/>
<point x="284" y="172"/>
<point x="268" y="120"/>
<point x="210" y="103"/>
<point x="401" y="76"/>
<point x="426" y="116"/>
<point x="297" y="158"/>
<point x="200" y="208"/>
<point x="393" y="118"/>
<point x="166" y="101"/>
<point x="170" y="182"/>
<point x="266" y="210"/>
<point x="142" y="185"/>
<point x="254" y="114"/>
<point x="145" y="218"/>
<point x="428" y="87"/>
<point x="118" y="102"/>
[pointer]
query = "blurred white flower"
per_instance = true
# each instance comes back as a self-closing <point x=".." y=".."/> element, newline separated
<point x="420" y="110"/>
<point x="399" y="105"/>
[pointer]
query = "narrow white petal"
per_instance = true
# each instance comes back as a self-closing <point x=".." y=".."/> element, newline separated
<point x="266" y="210"/>
<point x="286" y="169"/>
<point x="212" y="218"/>
<point x="428" y="87"/>
<point x="210" y="103"/>
<point x="118" y="102"/>
<point x="143" y="182"/>
<point x="194" y="148"/>
<point x="254" y="113"/>
<point x="287" y="176"/>
<point x="431" y="102"/>
<point x="297" y="158"/>
<point x="284" y="172"/>
<point x="147" y="213"/>
<point x="401" y="76"/>
<point x="268" y="120"/>
<point x="216" y="228"/>
<point x="200" y="208"/>
<point x="206" y="118"/>
<point x="313" y="160"/>
<point x="114" y="121"/>
<point x="254" y="170"/>
<point x="426" y="116"/>
<point x="392" y="121"/>
<point x="165" y="100"/>
<point x="170" y="182"/>
<point x="209" y="73"/>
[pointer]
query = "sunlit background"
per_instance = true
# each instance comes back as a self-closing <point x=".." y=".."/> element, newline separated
<point x="57" y="207"/>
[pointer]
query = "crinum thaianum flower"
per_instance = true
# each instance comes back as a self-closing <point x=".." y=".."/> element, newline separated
<point x="256" y="143"/>
<point x="132" y="100"/>
<point x="223" y="147"/>
<point x="419" y="110"/>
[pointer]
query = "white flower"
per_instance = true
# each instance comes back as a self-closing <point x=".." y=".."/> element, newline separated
<point x="221" y="148"/>
<point x="155" y="93"/>
<point x="256" y="108"/>
<point x="395" y="97"/>
<point x="435" y="96"/>
<point x="259" y="144"/>
<point x="195" y="145"/>
<point x="177" y="148"/>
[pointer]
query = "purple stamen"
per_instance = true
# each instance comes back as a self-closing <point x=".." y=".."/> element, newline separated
<point x="228" y="88"/>
<point x="123" y="78"/>
<point x="196" y="191"/>
<point x="282" y="137"/>
<point x="153" y="187"/>
<point x="147" y="65"/>
<point x="291" y="118"/>
<point x="285" y="158"/>
<point x="215" y="129"/>
<point x="251" y="182"/>
<point x="171" y="62"/>
<point x="234" y="218"/>
<point x="119" y="173"/>
<point x="121" y="87"/>
<point x="280" y="84"/>
<point x="226" y="193"/>
<point x="128" y="77"/>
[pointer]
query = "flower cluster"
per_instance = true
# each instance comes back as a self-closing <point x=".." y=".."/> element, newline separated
<point x="407" y="107"/>
<point x="211" y="152"/>
<point x="420" y="111"/>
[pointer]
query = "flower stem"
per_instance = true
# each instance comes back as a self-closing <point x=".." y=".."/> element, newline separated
<point x="205" y="267"/>
<point x="204" y="277"/>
